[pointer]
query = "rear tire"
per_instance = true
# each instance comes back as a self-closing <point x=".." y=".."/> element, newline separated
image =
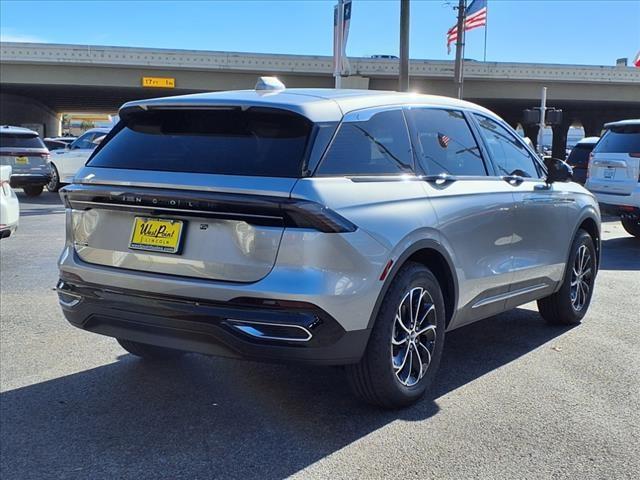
<point x="33" y="190"/>
<point x="149" y="352"/>
<point x="631" y="226"/>
<point x="54" y="184"/>
<point x="570" y="304"/>
<point x="400" y="363"/>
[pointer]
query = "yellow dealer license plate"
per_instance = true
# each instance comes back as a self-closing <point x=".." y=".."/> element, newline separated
<point x="22" y="161"/>
<point x="156" y="235"/>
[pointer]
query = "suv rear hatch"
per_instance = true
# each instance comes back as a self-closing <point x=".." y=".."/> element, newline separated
<point x="24" y="152"/>
<point x="199" y="193"/>
<point x="614" y="168"/>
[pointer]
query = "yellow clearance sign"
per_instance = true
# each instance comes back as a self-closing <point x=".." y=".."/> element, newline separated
<point x="158" y="82"/>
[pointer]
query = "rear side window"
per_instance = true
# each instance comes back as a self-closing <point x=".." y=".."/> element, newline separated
<point x="620" y="140"/>
<point x="378" y="146"/>
<point x="17" y="140"/>
<point x="87" y="141"/>
<point x="579" y="155"/>
<point x="229" y="141"/>
<point x="444" y="143"/>
<point x="508" y="153"/>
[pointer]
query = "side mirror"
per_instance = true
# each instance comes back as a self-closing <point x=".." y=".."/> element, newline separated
<point x="558" y="170"/>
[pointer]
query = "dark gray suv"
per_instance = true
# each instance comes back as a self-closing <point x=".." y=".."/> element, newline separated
<point x="335" y="227"/>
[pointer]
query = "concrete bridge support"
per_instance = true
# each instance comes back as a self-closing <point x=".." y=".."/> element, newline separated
<point x="27" y="112"/>
<point x="560" y="132"/>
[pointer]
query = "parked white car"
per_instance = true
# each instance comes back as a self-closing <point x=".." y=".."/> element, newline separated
<point x="614" y="172"/>
<point x="9" y="206"/>
<point x="65" y="163"/>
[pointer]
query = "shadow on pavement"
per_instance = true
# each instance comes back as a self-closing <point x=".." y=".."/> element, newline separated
<point x="45" y="198"/>
<point x="46" y="203"/>
<point x="205" y="417"/>
<point x="620" y="253"/>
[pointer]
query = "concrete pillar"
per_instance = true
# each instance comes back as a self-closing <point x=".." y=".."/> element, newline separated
<point x="592" y="124"/>
<point x="531" y="131"/>
<point x="559" y="144"/>
<point x="25" y="112"/>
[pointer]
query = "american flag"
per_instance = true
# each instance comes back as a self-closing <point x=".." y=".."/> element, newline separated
<point x="636" y="61"/>
<point x="443" y="140"/>
<point x="475" y="16"/>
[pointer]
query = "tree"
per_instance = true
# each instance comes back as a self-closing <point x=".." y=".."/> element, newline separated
<point x="86" y="125"/>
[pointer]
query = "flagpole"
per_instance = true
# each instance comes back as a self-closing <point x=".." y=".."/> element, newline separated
<point x="486" y="25"/>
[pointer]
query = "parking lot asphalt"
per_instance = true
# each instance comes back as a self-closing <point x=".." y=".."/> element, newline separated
<point x="515" y="398"/>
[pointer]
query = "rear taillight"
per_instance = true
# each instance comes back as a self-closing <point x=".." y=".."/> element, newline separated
<point x="5" y="187"/>
<point x="46" y="156"/>
<point x="634" y="155"/>
<point x="589" y="164"/>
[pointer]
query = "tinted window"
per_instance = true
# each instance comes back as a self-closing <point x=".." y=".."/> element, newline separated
<point x="257" y="141"/>
<point x="444" y="143"/>
<point x="620" y="140"/>
<point x="13" y="140"/>
<point x="579" y="156"/>
<point x="378" y="146"/>
<point x="509" y="155"/>
<point x="86" y="141"/>
<point x="55" y="145"/>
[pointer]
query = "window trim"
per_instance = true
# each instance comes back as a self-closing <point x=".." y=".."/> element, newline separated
<point x="488" y="167"/>
<point x="537" y="162"/>
<point x="364" y="115"/>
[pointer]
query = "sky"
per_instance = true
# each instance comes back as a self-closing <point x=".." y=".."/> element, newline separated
<point x="590" y="32"/>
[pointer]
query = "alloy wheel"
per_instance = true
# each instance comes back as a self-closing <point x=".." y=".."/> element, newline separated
<point x="53" y="182"/>
<point x="414" y="336"/>
<point x="581" y="278"/>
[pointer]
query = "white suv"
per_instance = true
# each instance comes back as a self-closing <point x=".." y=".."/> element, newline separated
<point x="614" y="172"/>
<point x="66" y="163"/>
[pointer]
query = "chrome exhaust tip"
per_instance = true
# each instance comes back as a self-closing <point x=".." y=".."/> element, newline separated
<point x="271" y="331"/>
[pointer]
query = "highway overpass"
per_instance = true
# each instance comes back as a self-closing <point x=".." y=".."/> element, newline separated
<point x="39" y="81"/>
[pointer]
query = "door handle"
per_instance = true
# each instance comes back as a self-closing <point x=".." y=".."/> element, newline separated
<point x="513" y="180"/>
<point x="440" y="179"/>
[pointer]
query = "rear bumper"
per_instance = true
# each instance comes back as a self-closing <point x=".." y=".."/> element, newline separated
<point x="8" y="230"/>
<point x="608" y="200"/>
<point x="239" y="328"/>
<point x="21" y="179"/>
<point x="623" y="211"/>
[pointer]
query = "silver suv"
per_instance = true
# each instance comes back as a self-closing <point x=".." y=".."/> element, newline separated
<point x="23" y="150"/>
<point x="335" y="227"/>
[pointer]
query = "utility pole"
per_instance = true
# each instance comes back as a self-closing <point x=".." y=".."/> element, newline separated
<point x="404" y="46"/>
<point x="458" y="73"/>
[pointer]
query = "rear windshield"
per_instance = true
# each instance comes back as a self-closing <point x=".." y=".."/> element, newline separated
<point x="580" y="154"/>
<point x="620" y="140"/>
<point x="20" y="140"/>
<point x="253" y="142"/>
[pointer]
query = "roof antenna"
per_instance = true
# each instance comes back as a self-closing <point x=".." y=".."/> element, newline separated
<point x="269" y="84"/>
